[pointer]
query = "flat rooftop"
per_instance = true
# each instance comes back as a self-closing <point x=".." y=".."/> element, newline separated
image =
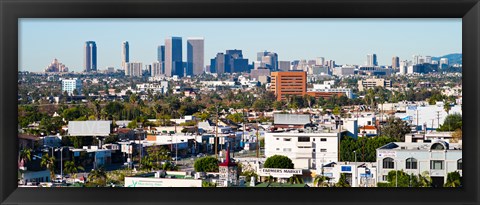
<point x="420" y="146"/>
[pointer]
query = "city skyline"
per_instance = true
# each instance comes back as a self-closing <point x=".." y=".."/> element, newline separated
<point x="346" y="41"/>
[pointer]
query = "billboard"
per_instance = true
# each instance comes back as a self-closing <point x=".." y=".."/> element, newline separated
<point x="291" y="119"/>
<point x="89" y="128"/>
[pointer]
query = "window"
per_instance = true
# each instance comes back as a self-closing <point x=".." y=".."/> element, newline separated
<point x="388" y="163"/>
<point x="304" y="139"/>
<point x="278" y="149"/>
<point x="278" y="138"/>
<point x="411" y="163"/>
<point x="287" y="149"/>
<point x="314" y="139"/>
<point x="323" y="139"/>
<point x="384" y="178"/>
<point x="287" y="139"/>
<point x="436" y="164"/>
<point x="459" y="164"/>
<point x="323" y="150"/>
<point x="313" y="150"/>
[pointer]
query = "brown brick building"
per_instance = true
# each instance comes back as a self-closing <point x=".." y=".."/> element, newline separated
<point x="288" y="83"/>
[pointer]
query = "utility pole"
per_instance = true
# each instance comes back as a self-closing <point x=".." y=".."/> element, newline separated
<point x="258" y="140"/>
<point x="438" y="119"/>
<point x="216" y="135"/>
<point x="432" y="124"/>
<point x="417" y="120"/>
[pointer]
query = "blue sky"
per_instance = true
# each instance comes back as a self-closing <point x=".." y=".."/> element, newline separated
<point x="347" y="41"/>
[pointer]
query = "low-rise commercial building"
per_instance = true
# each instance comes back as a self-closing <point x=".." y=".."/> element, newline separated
<point x="437" y="158"/>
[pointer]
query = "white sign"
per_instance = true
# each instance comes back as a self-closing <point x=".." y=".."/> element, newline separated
<point x="387" y="154"/>
<point x="161" y="182"/>
<point x="279" y="173"/>
<point x="89" y="128"/>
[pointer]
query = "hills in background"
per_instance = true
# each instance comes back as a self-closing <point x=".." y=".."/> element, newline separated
<point x="453" y="58"/>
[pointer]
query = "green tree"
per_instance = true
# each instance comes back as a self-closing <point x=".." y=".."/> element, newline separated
<point x="97" y="177"/>
<point x="206" y="164"/>
<point x="236" y="117"/>
<point x="71" y="168"/>
<point x="321" y="181"/>
<point x="453" y="180"/>
<point x="395" y="128"/>
<point x="278" y="161"/>
<point x="25" y="155"/>
<point x="49" y="163"/>
<point x="452" y="122"/>
<point x="133" y="124"/>
<point x="342" y="182"/>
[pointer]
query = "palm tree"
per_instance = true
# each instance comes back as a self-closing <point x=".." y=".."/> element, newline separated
<point x="98" y="177"/>
<point x="25" y="155"/>
<point x="295" y="180"/>
<point x="49" y="163"/>
<point x="446" y="107"/>
<point x="424" y="179"/>
<point x="321" y="181"/>
<point x="342" y="182"/>
<point x="453" y="180"/>
<point x="70" y="168"/>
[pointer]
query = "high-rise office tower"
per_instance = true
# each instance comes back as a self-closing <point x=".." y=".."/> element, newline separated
<point x="195" y="56"/>
<point x="416" y="59"/>
<point x="161" y="57"/>
<point x="284" y="65"/>
<point x="403" y="67"/>
<point x="428" y="59"/>
<point x="161" y="53"/>
<point x="222" y="64"/>
<point x="133" y="69"/>
<point x="320" y="61"/>
<point x="273" y="64"/>
<point x="90" y="60"/>
<point x="156" y="69"/>
<point x="395" y="62"/>
<point x="173" y="55"/>
<point x="372" y="60"/>
<point x="125" y="53"/>
<point x="237" y="62"/>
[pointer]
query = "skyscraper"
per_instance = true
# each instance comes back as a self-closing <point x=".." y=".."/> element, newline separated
<point x="195" y="56"/>
<point x="156" y="69"/>
<point x="173" y="55"/>
<point x="372" y="60"/>
<point x="320" y="61"/>
<point x="90" y="60"/>
<point x="125" y="54"/>
<point x="133" y="69"/>
<point x="161" y="53"/>
<point x="395" y="62"/>
<point x="273" y="58"/>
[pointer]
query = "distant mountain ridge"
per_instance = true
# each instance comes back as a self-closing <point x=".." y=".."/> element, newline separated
<point x="453" y="58"/>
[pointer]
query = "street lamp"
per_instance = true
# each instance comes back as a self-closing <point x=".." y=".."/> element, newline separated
<point x="355" y="153"/>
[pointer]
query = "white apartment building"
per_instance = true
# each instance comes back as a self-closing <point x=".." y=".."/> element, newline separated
<point x="306" y="150"/>
<point x="133" y="69"/>
<point x="437" y="158"/>
<point x="154" y="87"/>
<point x="69" y="85"/>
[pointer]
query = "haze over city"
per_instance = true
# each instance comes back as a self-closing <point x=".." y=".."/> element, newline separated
<point x="347" y="41"/>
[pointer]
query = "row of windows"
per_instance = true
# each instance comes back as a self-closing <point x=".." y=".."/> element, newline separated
<point x="411" y="163"/>
<point x="303" y="139"/>
<point x="290" y="149"/>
